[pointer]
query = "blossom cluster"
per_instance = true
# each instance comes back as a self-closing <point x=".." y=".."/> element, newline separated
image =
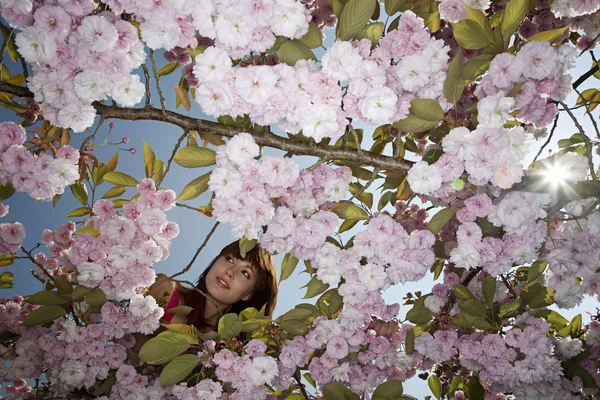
<point x="380" y="83"/>
<point x="273" y="192"/>
<point x="524" y="361"/>
<point x="119" y="260"/>
<point x="23" y="359"/>
<point x="260" y="370"/>
<point x="247" y="26"/>
<point x="367" y="270"/>
<point x="78" y="59"/>
<point x="541" y="68"/>
<point x="42" y="176"/>
<point x="572" y="254"/>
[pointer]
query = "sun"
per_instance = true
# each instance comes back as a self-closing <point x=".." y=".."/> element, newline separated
<point x="556" y="174"/>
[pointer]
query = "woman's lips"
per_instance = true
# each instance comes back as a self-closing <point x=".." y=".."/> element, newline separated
<point x="222" y="283"/>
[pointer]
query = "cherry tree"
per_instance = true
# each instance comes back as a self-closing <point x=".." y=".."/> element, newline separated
<point x="453" y="95"/>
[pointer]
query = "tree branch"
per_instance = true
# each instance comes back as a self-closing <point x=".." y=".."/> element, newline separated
<point x="585" y="76"/>
<point x="262" y="139"/>
<point x="162" y="178"/>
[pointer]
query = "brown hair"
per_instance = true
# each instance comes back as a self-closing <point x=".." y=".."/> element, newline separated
<point x="264" y="292"/>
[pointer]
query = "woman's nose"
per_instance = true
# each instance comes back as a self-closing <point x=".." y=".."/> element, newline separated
<point x="229" y="273"/>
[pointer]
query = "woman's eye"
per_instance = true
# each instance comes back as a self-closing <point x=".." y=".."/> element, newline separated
<point x="246" y="274"/>
<point x="229" y="259"/>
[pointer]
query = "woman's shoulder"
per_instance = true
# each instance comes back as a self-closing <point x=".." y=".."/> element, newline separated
<point x="163" y="288"/>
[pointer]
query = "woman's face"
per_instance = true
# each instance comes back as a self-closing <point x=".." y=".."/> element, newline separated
<point x="230" y="280"/>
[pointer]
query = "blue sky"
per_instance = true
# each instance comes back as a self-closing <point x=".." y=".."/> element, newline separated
<point x="193" y="226"/>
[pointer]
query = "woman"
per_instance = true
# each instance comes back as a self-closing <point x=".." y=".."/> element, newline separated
<point x="233" y="283"/>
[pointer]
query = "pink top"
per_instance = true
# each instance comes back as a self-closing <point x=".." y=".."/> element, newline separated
<point x="173" y="302"/>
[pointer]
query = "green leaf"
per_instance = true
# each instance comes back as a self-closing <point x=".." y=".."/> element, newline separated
<point x="348" y="210"/>
<point x="354" y="18"/>
<point x="6" y="280"/>
<point x="536" y="269"/>
<point x="43" y="315"/>
<point x="288" y="265"/>
<point x="473" y="307"/>
<point x="79" y="292"/>
<point x="576" y="324"/>
<point x="509" y="308"/>
<point x="552" y="317"/>
<point x="347" y="225"/>
<point x="294" y="327"/>
<point x="409" y="343"/>
<point x="112" y="163"/>
<point x="119" y="178"/>
<point x="469" y="34"/>
<point x="7" y="259"/>
<point x="389" y="390"/>
<point x="99" y="172"/>
<point x="6" y="191"/>
<point x="80" y="192"/>
<point x="514" y="13"/>
<point x="298" y="313"/>
<point x="165" y="347"/>
<point x="159" y="169"/>
<point x="549" y="36"/>
<point x="195" y="157"/>
<point x="489" y="290"/>
<point x="168" y="69"/>
<point x="115" y="191"/>
<point x="419" y="315"/>
<point x="230" y="325"/>
<point x="372" y="32"/>
<point x="313" y="38"/>
<point x="315" y="287"/>
<point x="587" y="378"/>
<point x="462" y="292"/>
<point x="437" y="222"/>
<point x="392" y="6"/>
<point x="46" y="297"/>
<point x="195" y="188"/>
<point x="246" y="245"/>
<point x="106" y="385"/>
<point x="291" y="51"/>
<point x="476" y="67"/>
<point x="149" y="159"/>
<point x="95" y="298"/>
<point x="180" y="310"/>
<point x="427" y="109"/>
<point x="178" y="369"/>
<point x="454" y="84"/>
<point x="474" y="389"/>
<point x="79" y="212"/>
<point x="63" y="285"/>
<point x="435" y="385"/>
<point x="414" y="124"/>
<point x="337" y="391"/>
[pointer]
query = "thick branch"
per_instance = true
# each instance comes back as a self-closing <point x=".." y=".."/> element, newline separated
<point x="263" y="139"/>
<point x="585" y="76"/>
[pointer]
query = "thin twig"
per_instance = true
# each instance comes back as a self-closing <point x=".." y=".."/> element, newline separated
<point x="92" y="136"/>
<point x="510" y="288"/>
<point x="589" y="113"/>
<point x="4" y="45"/>
<point x="147" y="77"/>
<point x="301" y="385"/>
<point x="187" y="267"/>
<point x="157" y="79"/>
<point x="355" y="135"/>
<point x="182" y="205"/>
<point x="587" y="141"/>
<point x="30" y="257"/>
<point x="193" y="287"/>
<point x="185" y="133"/>
<point x="585" y="76"/>
<point x="590" y="45"/>
<point x="549" y="137"/>
<point x="585" y="213"/>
